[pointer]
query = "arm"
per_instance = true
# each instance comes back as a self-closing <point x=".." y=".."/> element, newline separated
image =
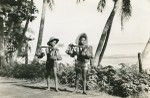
<point x="58" y="55"/>
<point x="92" y="62"/>
<point x="55" y="55"/>
<point x="88" y="52"/>
<point x="40" y="54"/>
<point x="46" y="50"/>
<point x="91" y="55"/>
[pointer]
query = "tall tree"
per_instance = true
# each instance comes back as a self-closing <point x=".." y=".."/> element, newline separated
<point x="39" y="42"/>
<point x="125" y="14"/>
<point x="2" y="53"/>
<point x="15" y="12"/>
<point x="146" y="57"/>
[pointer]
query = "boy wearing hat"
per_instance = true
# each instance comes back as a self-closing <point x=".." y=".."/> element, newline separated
<point x="53" y="56"/>
<point x="83" y="53"/>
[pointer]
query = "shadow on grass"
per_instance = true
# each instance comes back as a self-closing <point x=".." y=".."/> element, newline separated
<point x="42" y="87"/>
<point x="8" y="82"/>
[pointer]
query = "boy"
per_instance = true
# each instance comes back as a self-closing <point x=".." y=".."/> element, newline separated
<point x="83" y="53"/>
<point x="51" y="64"/>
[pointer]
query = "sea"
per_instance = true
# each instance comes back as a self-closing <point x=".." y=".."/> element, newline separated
<point x="114" y="54"/>
<point x="117" y="53"/>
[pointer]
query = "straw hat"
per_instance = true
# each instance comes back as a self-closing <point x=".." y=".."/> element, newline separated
<point x="52" y="39"/>
<point x="80" y="36"/>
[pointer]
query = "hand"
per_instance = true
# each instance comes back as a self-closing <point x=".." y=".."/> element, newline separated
<point x="92" y="67"/>
<point x="83" y="53"/>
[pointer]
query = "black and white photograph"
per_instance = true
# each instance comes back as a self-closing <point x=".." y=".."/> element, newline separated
<point x="74" y="48"/>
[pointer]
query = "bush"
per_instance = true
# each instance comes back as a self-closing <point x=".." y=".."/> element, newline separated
<point x="22" y="71"/>
<point x="66" y="75"/>
<point x="120" y="82"/>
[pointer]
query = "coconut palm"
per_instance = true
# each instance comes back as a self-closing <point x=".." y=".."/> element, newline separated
<point x="2" y="58"/>
<point x="146" y="57"/>
<point x="125" y="14"/>
<point x="45" y="3"/>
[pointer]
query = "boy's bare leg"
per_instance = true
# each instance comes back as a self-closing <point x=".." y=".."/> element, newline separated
<point x="76" y="82"/>
<point x="84" y="73"/>
<point x="56" y="79"/>
<point x="48" y="82"/>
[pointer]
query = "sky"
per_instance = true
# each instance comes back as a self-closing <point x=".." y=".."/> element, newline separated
<point x="68" y="19"/>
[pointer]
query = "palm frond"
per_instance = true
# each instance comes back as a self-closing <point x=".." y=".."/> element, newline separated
<point x="125" y="11"/>
<point x="50" y="3"/>
<point x="101" y="5"/>
<point x="78" y="1"/>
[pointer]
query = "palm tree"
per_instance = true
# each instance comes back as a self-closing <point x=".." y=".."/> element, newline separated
<point x="45" y="2"/>
<point x="125" y="14"/>
<point x="29" y="18"/>
<point x="146" y="57"/>
<point x="2" y="53"/>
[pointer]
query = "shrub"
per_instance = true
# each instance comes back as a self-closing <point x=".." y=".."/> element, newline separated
<point x="122" y="82"/>
<point x="22" y="71"/>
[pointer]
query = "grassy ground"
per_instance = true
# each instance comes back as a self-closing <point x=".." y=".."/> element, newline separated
<point x="16" y="88"/>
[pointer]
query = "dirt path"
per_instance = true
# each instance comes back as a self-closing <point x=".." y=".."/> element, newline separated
<point x="14" y="88"/>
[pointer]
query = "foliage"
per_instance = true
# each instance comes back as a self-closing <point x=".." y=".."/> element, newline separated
<point x="31" y="71"/>
<point x="14" y="13"/>
<point x="122" y="82"/>
<point x="125" y="8"/>
<point x="66" y="75"/>
<point x="101" y="5"/>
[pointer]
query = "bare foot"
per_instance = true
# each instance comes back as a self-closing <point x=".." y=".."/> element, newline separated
<point x="48" y="89"/>
<point x="84" y="93"/>
<point x="75" y="91"/>
<point x="56" y="90"/>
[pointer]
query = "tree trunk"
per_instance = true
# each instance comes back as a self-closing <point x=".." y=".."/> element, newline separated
<point x="10" y="56"/>
<point x="27" y="22"/>
<point x="26" y="54"/>
<point x="2" y="52"/>
<point x="41" y="27"/>
<point x="26" y="27"/>
<point x="146" y="57"/>
<point x="11" y="59"/>
<point x="23" y="33"/>
<point x="104" y="38"/>
<point x="6" y="42"/>
<point x="140" y="62"/>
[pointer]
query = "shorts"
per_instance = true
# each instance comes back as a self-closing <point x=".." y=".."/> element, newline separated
<point x="80" y="66"/>
<point x="50" y="67"/>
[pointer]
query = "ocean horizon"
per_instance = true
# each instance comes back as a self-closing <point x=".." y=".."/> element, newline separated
<point x="114" y="54"/>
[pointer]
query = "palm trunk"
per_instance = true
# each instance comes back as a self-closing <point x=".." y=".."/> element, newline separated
<point x="6" y="41"/>
<point x="104" y="38"/>
<point x="27" y="22"/>
<point x="26" y="57"/>
<point x="2" y="52"/>
<point x="23" y="33"/>
<point x="41" y="27"/>
<point x="11" y="57"/>
<point x="146" y="57"/>
<point x="26" y="27"/>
